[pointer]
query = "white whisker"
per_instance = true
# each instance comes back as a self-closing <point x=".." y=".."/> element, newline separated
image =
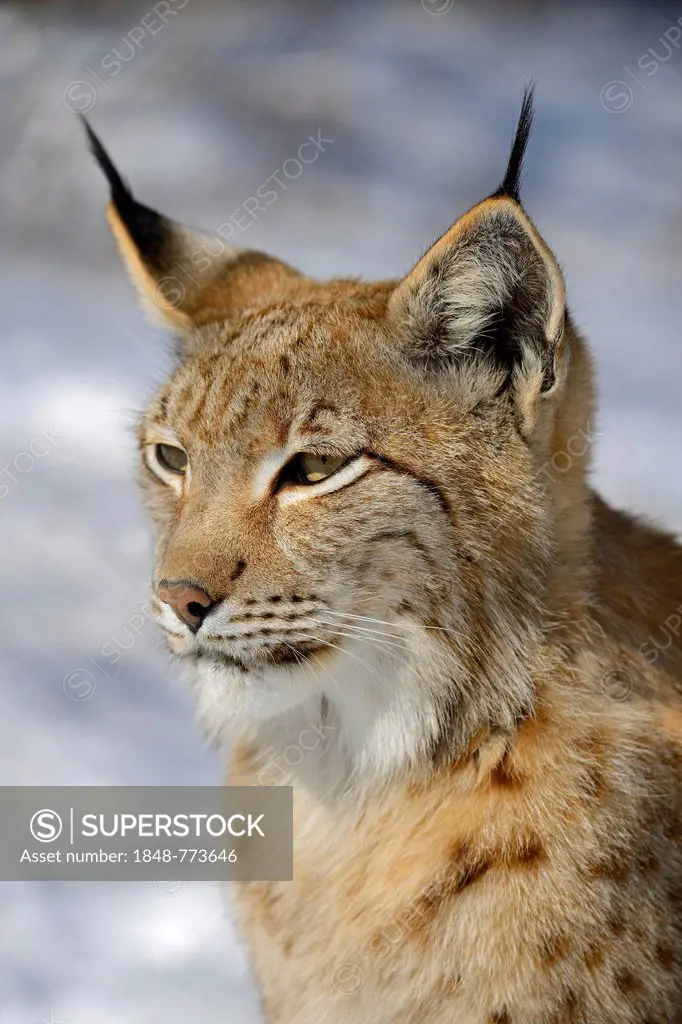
<point x="396" y="625"/>
<point x="377" y="644"/>
<point x="363" y="630"/>
<point x="350" y="654"/>
<point x="366" y="629"/>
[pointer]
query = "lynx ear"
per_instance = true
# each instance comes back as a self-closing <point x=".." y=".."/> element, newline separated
<point x="489" y="291"/>
<point x="185" y="277"/>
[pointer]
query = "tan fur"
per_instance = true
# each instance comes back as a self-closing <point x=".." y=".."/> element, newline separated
<point x="495" y="837"/>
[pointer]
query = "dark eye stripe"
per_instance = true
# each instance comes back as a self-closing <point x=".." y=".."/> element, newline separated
<point x="171" y="458"/>
<point x="430" y="485"/>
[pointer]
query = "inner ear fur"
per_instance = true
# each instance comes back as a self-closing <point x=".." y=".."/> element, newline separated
<point x="489" y="292"/>
<point x="185" y="277"/>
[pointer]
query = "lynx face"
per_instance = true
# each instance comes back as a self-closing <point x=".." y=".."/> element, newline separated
<point x="345" y="478"/>
<point x="331" y="507"/>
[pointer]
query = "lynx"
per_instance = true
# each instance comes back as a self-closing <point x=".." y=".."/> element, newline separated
<point x="381" y="559"/>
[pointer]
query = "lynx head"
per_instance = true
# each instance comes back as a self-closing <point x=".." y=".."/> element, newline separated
<point x="349" y="481"/>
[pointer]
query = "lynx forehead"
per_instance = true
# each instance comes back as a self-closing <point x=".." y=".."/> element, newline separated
<point x="380" y="560"/>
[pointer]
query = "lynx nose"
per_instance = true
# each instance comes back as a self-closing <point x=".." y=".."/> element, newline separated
<point x="190" y="603"/>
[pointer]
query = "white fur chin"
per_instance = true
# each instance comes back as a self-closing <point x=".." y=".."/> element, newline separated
<point x="383" y="710"/>
<point x="229" y="701"/>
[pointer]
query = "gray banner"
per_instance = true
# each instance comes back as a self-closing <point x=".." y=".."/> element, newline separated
<point x="158" y="833"/>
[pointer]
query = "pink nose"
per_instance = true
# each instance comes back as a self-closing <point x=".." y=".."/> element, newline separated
<point x="189" y="603"/>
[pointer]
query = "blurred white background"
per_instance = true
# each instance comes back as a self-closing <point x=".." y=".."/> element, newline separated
<point x="421" y="101"/>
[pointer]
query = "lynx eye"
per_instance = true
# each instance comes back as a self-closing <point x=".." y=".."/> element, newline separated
<point x="306" y="468"/>
<point x="171" y="458"/>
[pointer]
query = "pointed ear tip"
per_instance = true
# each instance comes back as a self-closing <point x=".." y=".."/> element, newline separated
<point x="91" y="138"/>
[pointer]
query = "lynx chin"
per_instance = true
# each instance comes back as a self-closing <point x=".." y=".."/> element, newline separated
<point x="382" y="562"/>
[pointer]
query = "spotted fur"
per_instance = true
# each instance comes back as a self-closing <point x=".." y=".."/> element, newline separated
<point x="448" y="646"/>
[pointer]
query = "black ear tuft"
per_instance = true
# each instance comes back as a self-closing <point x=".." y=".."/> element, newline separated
<point x="121" y="195"/>
<point x="149" y="230"/>
<point x="511" y="184"/>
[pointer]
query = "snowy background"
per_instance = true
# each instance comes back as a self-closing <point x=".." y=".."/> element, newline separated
<point x="420" y="100"/>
